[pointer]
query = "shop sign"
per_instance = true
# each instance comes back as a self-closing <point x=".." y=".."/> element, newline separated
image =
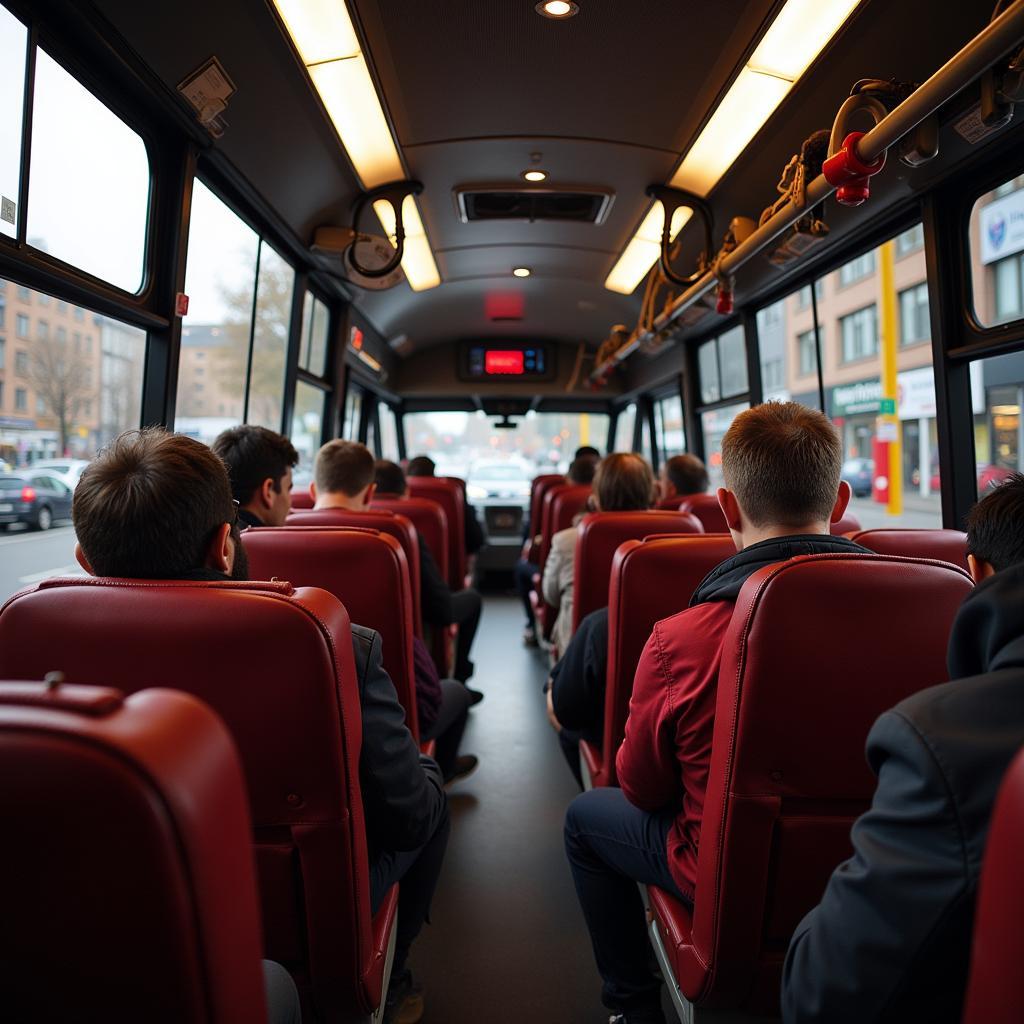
<point x="1002" y="227"/>
<point x="855" y="399"/>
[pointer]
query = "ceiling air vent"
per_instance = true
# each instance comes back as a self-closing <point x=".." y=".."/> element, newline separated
<point x="489" y="203"/>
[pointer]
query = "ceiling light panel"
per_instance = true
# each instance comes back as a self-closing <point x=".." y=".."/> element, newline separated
<point x="644" y="249"/>
<point x="798" y="35"/>
<point x="320" y="29"/>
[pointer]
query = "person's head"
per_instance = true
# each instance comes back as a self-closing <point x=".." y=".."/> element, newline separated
<point x="422" y="465"/>
<point x="587" y="451"/>
<point x="623" y="482"/>
<point x="260" y="468"/>
<point x="995" y="529"/>
<point x="155" y="505"/>
<point x="682" y="475"/>
<point x="342" y="476"/>
<point x="781" y="462"/>
<point x="582" y="470"/>
<point x="389" y="478"/>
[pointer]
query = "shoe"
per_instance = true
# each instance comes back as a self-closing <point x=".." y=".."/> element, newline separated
<point x="405" y="1000"/>
<point x="530" y="637"/>
<point x="475" y="696"/>
<point x="464" y="671"/>
<point x="465" y="765"/>
<point x="654" y="1016"/>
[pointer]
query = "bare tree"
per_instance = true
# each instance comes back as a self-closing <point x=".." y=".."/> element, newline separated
<point x="62" y="377"/>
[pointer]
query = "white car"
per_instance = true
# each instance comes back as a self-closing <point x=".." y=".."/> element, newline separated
<point x="69" y="470"/>
<point x="497" y="482"/>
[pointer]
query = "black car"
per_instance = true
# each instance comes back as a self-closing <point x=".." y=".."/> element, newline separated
<point x="36" y="498"/>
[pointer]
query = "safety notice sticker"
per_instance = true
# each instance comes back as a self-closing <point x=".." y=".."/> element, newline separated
<point x="8" y="210"/>
<point x="971" y="126"/>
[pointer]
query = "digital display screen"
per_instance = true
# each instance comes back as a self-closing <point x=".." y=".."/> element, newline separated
<point x="485" y="362"/>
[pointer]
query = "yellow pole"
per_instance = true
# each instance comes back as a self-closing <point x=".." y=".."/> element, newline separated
<point x="584" y="429"/>
<point x="888" y="419"/>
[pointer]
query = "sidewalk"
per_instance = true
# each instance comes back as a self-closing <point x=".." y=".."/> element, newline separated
<point x="918" y="512"/>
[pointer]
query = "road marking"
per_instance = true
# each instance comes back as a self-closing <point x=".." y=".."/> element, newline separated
<point x="62" y="570"/>
<point x="57" y="531"/>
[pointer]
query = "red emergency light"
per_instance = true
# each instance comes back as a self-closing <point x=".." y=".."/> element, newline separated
<point x="503" y="361"/>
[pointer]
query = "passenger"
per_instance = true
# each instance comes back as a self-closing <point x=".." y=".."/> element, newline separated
<point x="423" y="465"/>
<point x="581" y="472"/>
<point x="260" y="466"/>
<point x="891" y="938"/>
<point x="623" y="482"/>
<point x="680" y="476"/>
<point x="155" y="505"/>
<point x="781" y="463"/>
<point x="587" y="451"/>
<point x="344" y="477"/>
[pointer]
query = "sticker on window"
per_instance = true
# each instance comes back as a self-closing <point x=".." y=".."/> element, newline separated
<point x="8" y="210"/>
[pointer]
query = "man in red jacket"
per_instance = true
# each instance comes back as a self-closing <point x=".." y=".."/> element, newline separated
<point x="781" y="462"/>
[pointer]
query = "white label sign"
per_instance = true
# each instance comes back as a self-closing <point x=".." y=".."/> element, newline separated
<point x="1002" y="227"/>
<point x="8" y="210"/>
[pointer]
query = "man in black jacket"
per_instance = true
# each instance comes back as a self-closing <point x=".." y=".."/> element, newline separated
<point x="423" y="465"/>
<point x="890" y="940"/>
<point x="260" y="464"/>
<point x="156" y="505"/>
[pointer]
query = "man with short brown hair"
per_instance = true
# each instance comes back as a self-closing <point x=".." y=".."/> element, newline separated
<point x="781" y="463"/>
<point x="681" y="476"/>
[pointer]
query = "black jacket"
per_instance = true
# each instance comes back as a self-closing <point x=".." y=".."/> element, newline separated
<point x="891" y="938"/>
<point x="435" y="594"/>
<point x="578" y="680"/>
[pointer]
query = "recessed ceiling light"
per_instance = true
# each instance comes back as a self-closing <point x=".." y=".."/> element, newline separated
<point x="557" y="9"/>
<point x="521" y="271"/>
<point x="535" y="175"/>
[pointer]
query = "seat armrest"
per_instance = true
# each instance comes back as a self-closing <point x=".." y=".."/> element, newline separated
<point x="429" y="748"/>
<point x="592" y="763"/>
<point x="382" y="926"/>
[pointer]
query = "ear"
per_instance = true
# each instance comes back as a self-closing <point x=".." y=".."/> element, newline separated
<point x="842" y="500"/>
<point x="312" y="490"/>
<point x="368" y="496"/>
<point x="980" y="569"/>
<point x="730" y="509"/>
<point x="82" y="560"/>
<point x="266" y="493"/>
<point x="220" y="555"/>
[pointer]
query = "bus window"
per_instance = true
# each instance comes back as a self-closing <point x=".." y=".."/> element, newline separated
<point x="90" y="211"/>
<point x="270" y="339"/>
<point x="707" y="364"/>
<point x="788" y="348"/>
<point x="996" y="235"/>
<point x="624" y="427"/>
<point x="714" y="424"/>
<point x="668" y="421"/>
<point x="315" y="323"/>
<point x="997" y="394"/>
<point x="13" y="47"/>
<point x="388" y="432"/>
<point x="732" y="362"/>
<point x="646" y="443"/>
<point x="461" y="443"/>
<point x="307" y="427"/>
<point x="353" y="412"/>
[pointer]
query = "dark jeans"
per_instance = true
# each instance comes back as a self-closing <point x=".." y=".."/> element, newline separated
<point x="612" y="845"/>
<point x="449" y="725"/>
<point x="418" y="871"/>
<point x="569" y="741"/>
<point x="524" y="572"/>
<point x="466" y="608"/>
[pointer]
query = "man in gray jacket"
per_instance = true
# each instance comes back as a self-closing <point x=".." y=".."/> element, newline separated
<point x="890" y="940"/>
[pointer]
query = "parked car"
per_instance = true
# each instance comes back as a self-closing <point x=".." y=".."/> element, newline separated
<point x="69" y="470"/>
<point x="859" y="473"/>
<point x="34" y="497"/>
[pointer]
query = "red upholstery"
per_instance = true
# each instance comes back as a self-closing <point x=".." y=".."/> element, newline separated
<point x="398" y="526"/>
<point x="848" y="524"/>
<point x="561" y="504"/>
<point x="129" y="888"/>
<point x="945" y="545"/>
<point x="995" y="990"/>
<point x="450" y="493"/>
<point x="706" y="508"/>
<point x="364" y="569"/>
<point x="668" y="504"/>
<point x="429" y="519"/>
<point x="301" y="498"/>
<point x="651" y="579"/>
<point x="276" y="664"/>
<point x="540" y="486"/>
<point x="799" y="689"/>
<point x="600" y="534"/>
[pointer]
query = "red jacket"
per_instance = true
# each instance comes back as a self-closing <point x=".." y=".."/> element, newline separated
<point x="663" y="761"/>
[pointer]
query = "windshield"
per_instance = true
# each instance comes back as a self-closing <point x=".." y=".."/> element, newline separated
<point x="541" y="442"/>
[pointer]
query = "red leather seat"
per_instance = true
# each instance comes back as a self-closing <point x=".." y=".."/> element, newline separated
<point x="995" y="990"/>
<point x="276" y="664"/>
<point x="538" y="488"/>
<point x="802" y="679"/>
<point x="450" y="493"/>
<point x="561" y="505"/>
<point x="366" y="570"/>
<point x="301" y="498"/>
<point x="651" y="579"/>
<point x="848" y="524"/>
<point x="945" y="545"/>
<point x="600" y="534"/>
<point x="706" y="508"/>
<point x="129" y="888"/>
<point x="398" y="526"/>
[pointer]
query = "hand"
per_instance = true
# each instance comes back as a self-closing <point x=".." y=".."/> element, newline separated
<point x="555" y="723"/>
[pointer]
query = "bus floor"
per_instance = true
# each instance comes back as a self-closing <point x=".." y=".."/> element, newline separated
<point x="507" y="943"/>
